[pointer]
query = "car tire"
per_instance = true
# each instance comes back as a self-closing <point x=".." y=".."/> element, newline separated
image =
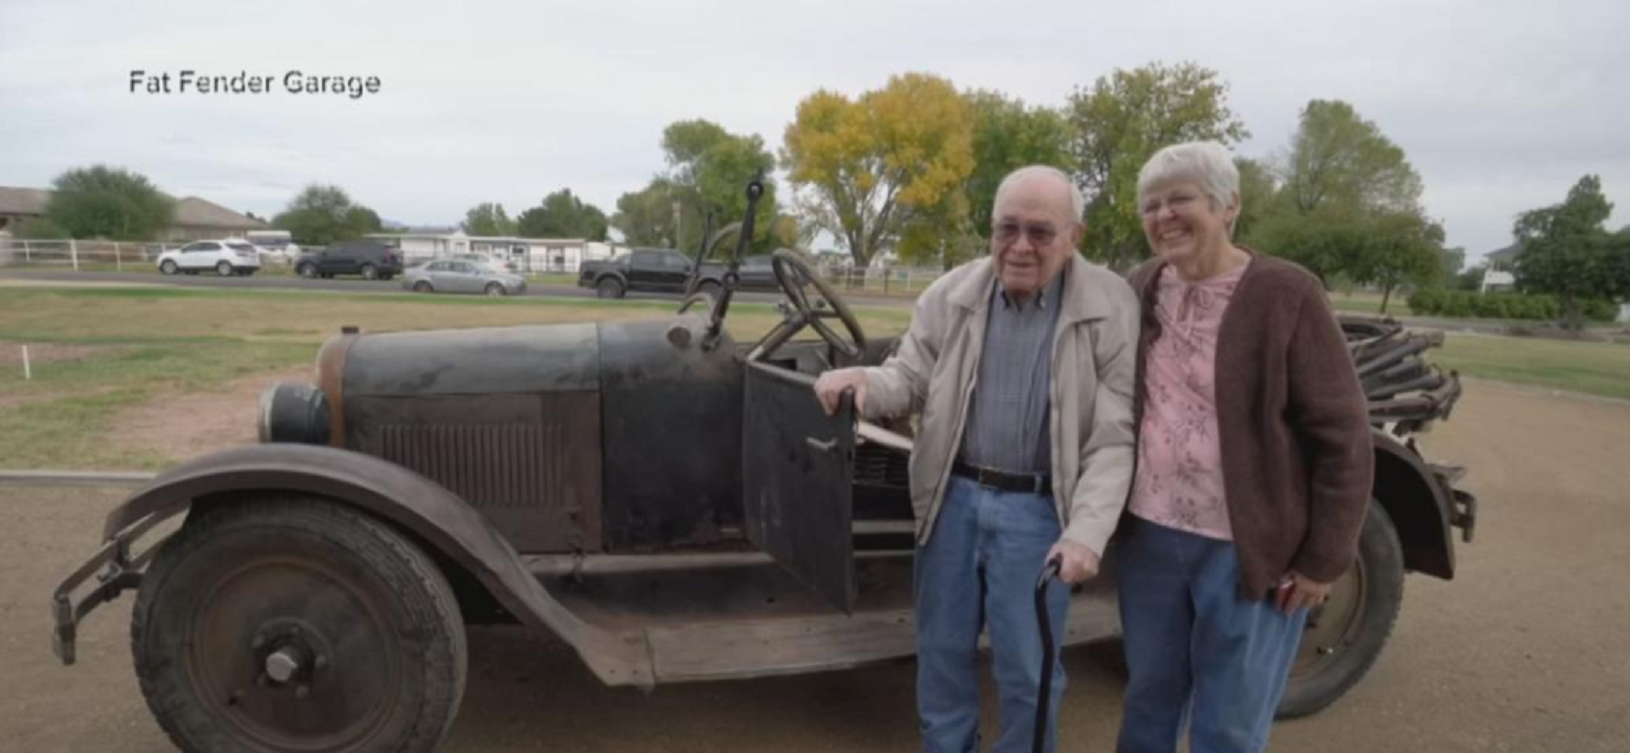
<point x="307" y="271"/>
<point x="423" y="287"/>
<point x="496" y="290"/>
<point x="224" y="269"/>
<point x="609" y="287"/>
<point x="369" y="272"/>
<point x="1345" y="636"/>
<point x="169" y="267"/>
<point x="297" y="577"/>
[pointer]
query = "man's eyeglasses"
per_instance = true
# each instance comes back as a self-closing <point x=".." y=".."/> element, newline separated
<point x="1039" y="235"/>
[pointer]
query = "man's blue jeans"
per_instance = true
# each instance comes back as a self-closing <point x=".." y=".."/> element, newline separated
<point x="1196" y="650"/>
<point x="979" y="569"/>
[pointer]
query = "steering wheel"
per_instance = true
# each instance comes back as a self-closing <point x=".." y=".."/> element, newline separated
<point x="792" y="273"/>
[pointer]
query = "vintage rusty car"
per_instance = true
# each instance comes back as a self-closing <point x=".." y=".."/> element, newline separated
<point x="673" y="505"/>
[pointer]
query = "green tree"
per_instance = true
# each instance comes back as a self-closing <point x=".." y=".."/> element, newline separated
<point x="1119" y="123"/>
<point x="1471" y="279"/>
<point x="1399" y="248"/>
<point x="39" y="228"/>
<point x="709" y="168"/>
<point x="873" y="164"/>
<point x="320" y="215"/>
<point x="646" y="216"/>
<point x="1338" y="157"/>
<point x="488" y="219"/>
<point x="1008" y="135"/>
<point x="107" y="202"/>
<point x="1567" y="252"/>
<point x="1258" y="193"/>
<point x="562" y="215"/>
<point x="1348" y="205"/>
<point x="1453" y="260"/>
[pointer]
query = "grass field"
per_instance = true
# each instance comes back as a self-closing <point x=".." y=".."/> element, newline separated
<point x="1589" y="367"/>
<point x="99" y="351"/>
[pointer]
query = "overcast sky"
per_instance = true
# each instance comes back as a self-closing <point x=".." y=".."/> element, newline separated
<point x="1501" y="106"/>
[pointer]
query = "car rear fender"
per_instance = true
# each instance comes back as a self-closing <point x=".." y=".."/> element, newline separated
<point x="1423" y="505"/>
<point x="434" y="516"/>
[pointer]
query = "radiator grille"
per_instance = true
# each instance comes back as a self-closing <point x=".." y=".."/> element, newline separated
<point x="503" y="466"/>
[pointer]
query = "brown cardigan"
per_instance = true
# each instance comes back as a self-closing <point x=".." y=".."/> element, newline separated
<point x="1292" y="422"/>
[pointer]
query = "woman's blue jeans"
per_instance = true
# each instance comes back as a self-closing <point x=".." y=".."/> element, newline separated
<point x="1196" y="650"/>
<point x="979" y="569"/>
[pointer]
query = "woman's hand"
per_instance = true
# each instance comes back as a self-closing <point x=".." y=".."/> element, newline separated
<point x="1297" y="591"/>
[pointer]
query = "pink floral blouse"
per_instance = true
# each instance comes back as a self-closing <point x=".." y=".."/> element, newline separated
<point x="1179" y="480"/>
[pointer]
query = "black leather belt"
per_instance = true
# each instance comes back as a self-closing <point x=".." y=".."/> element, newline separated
<point x="1034" y="483"/>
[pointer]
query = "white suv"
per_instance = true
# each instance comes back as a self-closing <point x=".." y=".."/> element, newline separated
<point x="231" y="256"/>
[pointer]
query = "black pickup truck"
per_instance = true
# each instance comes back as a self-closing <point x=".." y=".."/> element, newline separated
<point x="660" y="270"/>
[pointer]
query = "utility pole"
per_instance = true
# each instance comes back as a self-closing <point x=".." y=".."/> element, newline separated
<point x="676" y="224"/>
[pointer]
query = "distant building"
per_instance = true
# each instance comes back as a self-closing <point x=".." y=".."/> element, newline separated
<point x="195" y="218"/>
<point x="537" y="255"/>
<point x="1501" y="263"/>
<point x="18" y="204"/>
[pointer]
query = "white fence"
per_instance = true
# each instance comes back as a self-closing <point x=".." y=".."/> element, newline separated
<point x="882" y="280"/>
<point x="78" y="255"/>
<point x="122" y="255"/>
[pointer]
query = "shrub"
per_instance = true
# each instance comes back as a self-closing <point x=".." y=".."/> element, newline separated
<point x="1460" y="303"/>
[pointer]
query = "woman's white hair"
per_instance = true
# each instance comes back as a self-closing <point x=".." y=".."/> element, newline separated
<point x="1207" y="163"/>
<point x="1078" y="203"/>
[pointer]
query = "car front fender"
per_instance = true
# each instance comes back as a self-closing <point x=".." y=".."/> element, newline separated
<point x="435" y="516"/>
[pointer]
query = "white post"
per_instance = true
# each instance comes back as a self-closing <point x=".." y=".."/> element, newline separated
<point x="28" y="374"/>
<point x="118" y="258"/>
<point x="73" y="251"/>
<point x="27" y="255"/>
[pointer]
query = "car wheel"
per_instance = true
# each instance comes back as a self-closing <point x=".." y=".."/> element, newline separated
<point x="168" y="267"/>
<point x="223" y="269"/>
<point x="307" y="271"/>
<point x="1345" y="636"/>
<point x="609" y="287"/>
<point x="422" y="287"/>
<point x="369" y="273"/>
<point x="297" y="624"/>
<point x="496" y="290"/>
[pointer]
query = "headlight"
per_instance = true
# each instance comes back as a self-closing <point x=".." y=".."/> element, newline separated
<point x="293" y="412"/>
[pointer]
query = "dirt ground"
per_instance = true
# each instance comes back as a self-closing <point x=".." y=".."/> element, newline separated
<point x="1527" y="650"/>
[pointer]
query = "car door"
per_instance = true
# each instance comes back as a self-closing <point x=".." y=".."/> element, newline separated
<point x="466" y="276"/>
<point x="200" y="255"/>
<point x="644" y="270"/>
<point x="797" y="477"/>
<point x="675" y="272"/>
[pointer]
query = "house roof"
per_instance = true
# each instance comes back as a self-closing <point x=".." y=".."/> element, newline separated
<point x="28" y="201"/>
<point x="189" y="212"/>
<point x="195" y="212"/>
<point x="1508" y="253"/>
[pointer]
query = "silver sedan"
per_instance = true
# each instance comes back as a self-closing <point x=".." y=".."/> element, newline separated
<point x="459" y="276"/>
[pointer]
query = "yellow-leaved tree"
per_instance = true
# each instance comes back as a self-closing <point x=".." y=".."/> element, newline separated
<point x="873" y="165"/>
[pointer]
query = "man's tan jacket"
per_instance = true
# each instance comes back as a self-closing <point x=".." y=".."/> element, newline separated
<point x="1093" y="363"/>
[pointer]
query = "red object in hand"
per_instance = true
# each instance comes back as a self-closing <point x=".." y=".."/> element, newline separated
<point x="1282" y="594"/>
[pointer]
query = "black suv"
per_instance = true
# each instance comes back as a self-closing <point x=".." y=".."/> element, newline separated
<point x="372" y="259"/>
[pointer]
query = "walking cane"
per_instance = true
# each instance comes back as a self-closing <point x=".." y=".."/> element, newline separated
<point x="1038" y="743"/>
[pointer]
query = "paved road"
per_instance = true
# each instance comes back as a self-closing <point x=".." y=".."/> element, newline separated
<point x="357" y="285"/>
<point x="1526" y="650"/>
<point x="551" y="291"/>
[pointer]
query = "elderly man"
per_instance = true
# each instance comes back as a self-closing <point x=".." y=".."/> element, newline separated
<point x="1021" y="365"/>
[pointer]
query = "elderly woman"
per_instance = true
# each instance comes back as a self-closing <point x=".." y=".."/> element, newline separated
<point x="1253" y="471"/>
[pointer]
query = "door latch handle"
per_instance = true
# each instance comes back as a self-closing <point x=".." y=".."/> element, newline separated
<point x="828" y="445"/>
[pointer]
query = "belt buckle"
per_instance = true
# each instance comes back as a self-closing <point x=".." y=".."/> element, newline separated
<point x="989" y="479"/>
